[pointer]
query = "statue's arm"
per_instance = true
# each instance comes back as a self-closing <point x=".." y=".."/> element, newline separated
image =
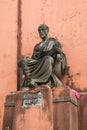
<point x="34" y="51"/>
<point x="37" y="53"/>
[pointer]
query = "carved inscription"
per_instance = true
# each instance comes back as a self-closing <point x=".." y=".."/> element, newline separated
<point x="31" y="99"/>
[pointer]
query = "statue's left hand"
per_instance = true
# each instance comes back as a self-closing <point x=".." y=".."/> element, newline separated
<point x="57" y="49"/>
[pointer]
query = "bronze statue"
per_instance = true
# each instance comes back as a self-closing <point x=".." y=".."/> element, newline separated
<point x="47" y="64"/>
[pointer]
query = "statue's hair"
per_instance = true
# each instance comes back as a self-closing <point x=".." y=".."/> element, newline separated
<point x="43" y="26"/>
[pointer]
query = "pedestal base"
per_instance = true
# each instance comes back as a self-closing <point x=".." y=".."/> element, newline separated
<point x="64" y="109"/>
<point x="29" y="109"/>
<point x="41" y="108"/>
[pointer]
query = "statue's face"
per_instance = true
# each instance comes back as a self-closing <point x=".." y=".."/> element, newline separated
<point x="43" y="32"/>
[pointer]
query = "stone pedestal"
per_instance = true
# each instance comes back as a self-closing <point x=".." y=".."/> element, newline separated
<point x="32" y="109"/>
<point x="64" y="109"/>
<point x="36" y="109"/>
<point x="82" y="113"/>
<point x="9" y="108"/>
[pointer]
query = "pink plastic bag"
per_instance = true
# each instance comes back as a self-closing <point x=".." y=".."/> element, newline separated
<point x="76" y="93"/>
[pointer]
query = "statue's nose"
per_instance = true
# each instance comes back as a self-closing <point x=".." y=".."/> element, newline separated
<point x="41" y="30"/>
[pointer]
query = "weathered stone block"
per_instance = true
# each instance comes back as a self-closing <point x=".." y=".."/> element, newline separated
<point x="82" y="113"/>
<point x="29" y="109"/>
<point x="64" y="109"/>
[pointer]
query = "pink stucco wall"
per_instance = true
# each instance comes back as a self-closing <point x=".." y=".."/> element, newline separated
<point x="67" y="21"/>
<point x="8" y="50"/>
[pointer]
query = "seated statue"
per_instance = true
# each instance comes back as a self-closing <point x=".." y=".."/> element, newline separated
<point x="47" y="64"/>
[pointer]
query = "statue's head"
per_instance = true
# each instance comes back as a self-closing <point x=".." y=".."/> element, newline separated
<point x="43" y="30"/>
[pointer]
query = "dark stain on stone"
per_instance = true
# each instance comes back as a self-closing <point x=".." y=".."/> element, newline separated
<point x="19" y="43"/>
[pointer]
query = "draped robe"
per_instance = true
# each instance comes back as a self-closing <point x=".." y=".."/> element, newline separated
<point x="46" y="65"/>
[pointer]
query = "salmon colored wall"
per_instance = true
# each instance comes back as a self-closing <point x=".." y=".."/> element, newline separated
<point x="67" y="21"/>
<point x="8" y="50"/>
